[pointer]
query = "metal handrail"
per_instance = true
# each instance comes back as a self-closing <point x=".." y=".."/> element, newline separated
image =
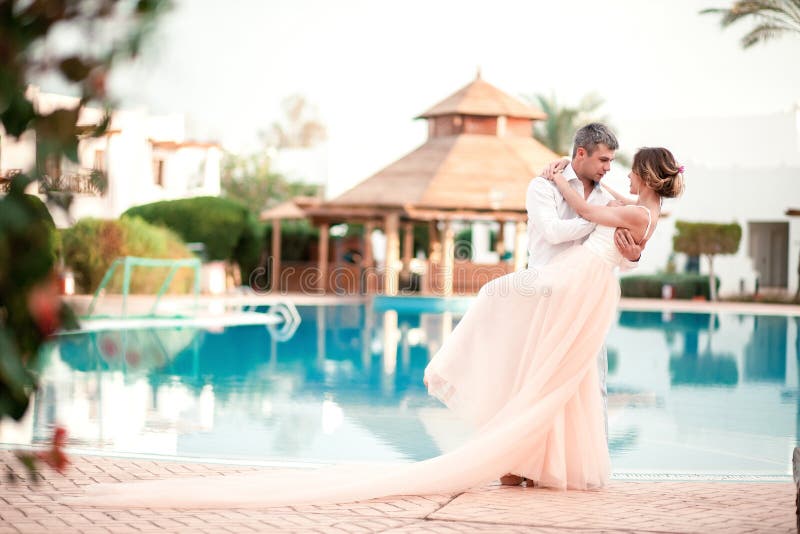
<point x="128" y="262"/>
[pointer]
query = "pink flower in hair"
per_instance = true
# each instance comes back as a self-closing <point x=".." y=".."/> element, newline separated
<point x="680" y="169"/>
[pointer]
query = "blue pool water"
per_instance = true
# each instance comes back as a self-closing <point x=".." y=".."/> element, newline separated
<point x="689" y="393"/>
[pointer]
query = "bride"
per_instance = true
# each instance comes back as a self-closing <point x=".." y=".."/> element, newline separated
<point x="524" y="351"/>
<point x="520" y="365"/>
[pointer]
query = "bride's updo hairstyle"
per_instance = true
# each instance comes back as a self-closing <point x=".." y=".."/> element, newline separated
<point x="659" y="171"/>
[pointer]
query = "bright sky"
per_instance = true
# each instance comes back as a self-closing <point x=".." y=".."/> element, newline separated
<point x="371" y="66"/>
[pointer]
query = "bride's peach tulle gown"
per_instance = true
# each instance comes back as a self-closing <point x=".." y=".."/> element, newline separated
<point x="521" y="365"/>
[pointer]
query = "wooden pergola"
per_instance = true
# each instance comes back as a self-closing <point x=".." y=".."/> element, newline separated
<point x="475" y="166"/>
<point x="293" y="209"/>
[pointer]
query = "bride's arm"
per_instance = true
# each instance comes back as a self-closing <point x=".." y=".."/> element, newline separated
<point x="621" y="198"/>
<point x="605" y="215"/>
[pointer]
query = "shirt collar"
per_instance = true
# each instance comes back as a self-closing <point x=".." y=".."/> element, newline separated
<point x="570" y="175"/>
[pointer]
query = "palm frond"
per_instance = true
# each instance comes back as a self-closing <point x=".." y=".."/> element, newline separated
<point x="557" y="131"/>
<point x="762" y="33"/>
<point x="772" y="18"/>
<point x="787" y="11"/>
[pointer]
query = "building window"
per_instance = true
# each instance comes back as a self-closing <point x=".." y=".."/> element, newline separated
<point x="99" y="160"/>
<point x="158" y="172"/>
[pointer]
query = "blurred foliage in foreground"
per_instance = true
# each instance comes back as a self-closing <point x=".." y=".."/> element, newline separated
<point x="32" y="48"/>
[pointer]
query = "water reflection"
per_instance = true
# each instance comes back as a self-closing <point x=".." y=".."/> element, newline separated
<point x="765" y="352"/>
<point x="718" y="384"/>
<point x="687" y="392"/>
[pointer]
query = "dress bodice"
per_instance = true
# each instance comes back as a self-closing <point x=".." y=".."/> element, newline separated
<point x="601" y="242"/>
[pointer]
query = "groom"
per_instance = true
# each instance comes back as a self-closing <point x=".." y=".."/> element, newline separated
<point x="553" y="226"/>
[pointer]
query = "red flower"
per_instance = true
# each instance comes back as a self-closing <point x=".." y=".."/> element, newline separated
<point x="55" y="457"/>
<point x="44" y="303"/>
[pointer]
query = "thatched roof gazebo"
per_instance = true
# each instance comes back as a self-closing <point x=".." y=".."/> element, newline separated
<point x="476" y="165"/>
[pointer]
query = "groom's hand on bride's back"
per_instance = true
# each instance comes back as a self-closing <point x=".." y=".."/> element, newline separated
<point x="626" y="245"/>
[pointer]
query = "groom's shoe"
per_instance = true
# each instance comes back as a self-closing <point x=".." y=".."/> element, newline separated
<point x="511" y="480"/>
<point x="530" y="483"/>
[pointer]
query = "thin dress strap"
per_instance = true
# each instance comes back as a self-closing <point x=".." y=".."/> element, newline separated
<point x="649" y="221"/>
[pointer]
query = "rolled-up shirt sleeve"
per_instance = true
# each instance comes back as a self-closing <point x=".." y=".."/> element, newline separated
<point x="627" y="266"/>
<point x="541" y="205"/>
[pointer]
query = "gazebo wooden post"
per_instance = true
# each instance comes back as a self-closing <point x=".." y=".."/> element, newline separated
<point x="520" y="247"/>
<point x="500" y="246"/>
<point x="276" y="256"/>
<point x="448" y="258"/>
<point x="434" y="258"/>
<point x="408" y="246"/>
<point x="324" y="238"/>
<point x="367" y="258"/>
<point x="391" y="276"/>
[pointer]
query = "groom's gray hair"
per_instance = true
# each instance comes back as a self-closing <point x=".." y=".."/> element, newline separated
<point x="592" y="135"/>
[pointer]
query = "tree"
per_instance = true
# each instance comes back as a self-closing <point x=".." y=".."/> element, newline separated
<point x="772" y="18"/>
<point x="558" y="130"/>
<point x="30" y="307"/>
<point x="249" y="180"/>
<point x="300" y="127"/>
<point x="707" y="239"/>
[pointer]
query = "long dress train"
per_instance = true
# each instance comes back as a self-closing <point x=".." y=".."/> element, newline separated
<point x="520" y="365"/>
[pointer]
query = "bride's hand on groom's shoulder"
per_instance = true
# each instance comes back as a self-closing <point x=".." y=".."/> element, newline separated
<point x="553" y="167"/>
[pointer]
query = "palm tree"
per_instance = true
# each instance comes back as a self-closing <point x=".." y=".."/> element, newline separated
<point x="773" y="18"/>
<point x="558" y="131"/>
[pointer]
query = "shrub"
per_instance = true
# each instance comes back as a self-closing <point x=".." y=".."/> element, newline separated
<point x="226" y="228"/>
<point x="91" y="245"/>
<point x="684" y="286"/>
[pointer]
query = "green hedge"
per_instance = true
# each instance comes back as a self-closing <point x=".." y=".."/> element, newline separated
<point x="91" y="245"/>
<point x="227" y="229"/>
<point x="685" y="286"/>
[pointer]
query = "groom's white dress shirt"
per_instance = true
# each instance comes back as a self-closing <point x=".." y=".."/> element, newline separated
<point x="553" y="226"/>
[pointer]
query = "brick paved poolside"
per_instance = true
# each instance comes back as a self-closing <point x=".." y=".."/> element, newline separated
<point x="657" y="507"/>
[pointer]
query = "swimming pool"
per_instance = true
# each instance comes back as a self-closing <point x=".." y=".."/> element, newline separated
<point x="689" y="393"/>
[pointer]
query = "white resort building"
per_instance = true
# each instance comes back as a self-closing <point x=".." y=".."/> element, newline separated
<point x="147" y="158"/>
<point x="738" y="169"/>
